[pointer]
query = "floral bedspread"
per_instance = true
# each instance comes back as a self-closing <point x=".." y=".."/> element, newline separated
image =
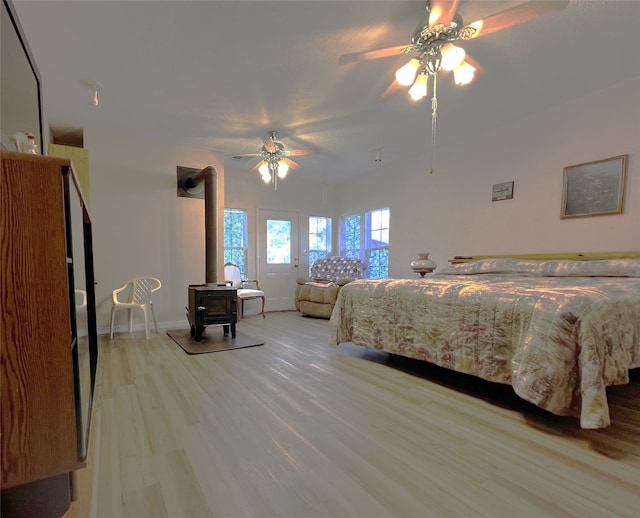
<point x="557" y="331"/>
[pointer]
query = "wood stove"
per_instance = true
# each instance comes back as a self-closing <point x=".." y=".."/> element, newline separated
<point x="212" y="304"/>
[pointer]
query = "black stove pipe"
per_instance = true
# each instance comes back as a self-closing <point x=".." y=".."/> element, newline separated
<point x="209" y="175"/>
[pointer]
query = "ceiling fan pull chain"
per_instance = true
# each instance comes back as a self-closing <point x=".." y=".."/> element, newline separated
<point x="273" y="165"/>
<point x="434" y="116"/>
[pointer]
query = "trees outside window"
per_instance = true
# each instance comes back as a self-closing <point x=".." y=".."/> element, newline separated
<point x="350" y="236"/>
<point x="377" y="243"/>
<point x="278" y="241"/>
<point x="374" y="248"/>
<point x="319" y="238"/>
<point x="235" y="238"/>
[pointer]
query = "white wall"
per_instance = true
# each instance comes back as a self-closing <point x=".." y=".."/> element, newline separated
<point x="451" y="213"/>
<point x="140" y="226"/>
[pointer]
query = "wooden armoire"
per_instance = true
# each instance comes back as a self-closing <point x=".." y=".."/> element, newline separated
<point x="48" y="335"/>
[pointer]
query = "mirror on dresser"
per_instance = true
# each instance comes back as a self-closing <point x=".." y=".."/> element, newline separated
<point x="81" y="306"/>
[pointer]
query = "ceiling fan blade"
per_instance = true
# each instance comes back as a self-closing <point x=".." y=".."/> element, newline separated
<point x="355" y="57"/>
<point x="292" y="165"/>
<point x="512" y="16"/>
<point x="254" y="169"/>
<point x="392" y="89"/>
<point x="442" y="11"/>
<point x="301" y="152"/>
<point x="242" y="155"/>
<point x="473" y="63"/>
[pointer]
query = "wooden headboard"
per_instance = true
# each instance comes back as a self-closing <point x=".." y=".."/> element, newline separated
<point x="580" y="256"/>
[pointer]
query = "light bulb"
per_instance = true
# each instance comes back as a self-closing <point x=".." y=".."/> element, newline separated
<point x="406" y="74"/>
<point x="463" y="74"/>
<point x="263" y="169"/>
<point x="419" y="88"/>
<point x="266" y="177"/>
<point x="283" y="169"/>
<point x="452" y="57"/>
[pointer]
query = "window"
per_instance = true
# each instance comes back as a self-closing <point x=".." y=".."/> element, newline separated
<point x="235" y="238"/>
<point x="377" y="243"/>
<point x="319" y="238"/>
<point x="350" y="236"/>
<point x="278" y="241"/>
<point x="375" y="252"/>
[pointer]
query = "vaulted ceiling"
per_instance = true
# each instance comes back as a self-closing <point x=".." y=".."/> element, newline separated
<point x="220" y="75"/>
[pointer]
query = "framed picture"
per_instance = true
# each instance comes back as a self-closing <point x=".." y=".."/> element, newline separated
<point x="594" y="188"/>
<point x="502" y="191"/>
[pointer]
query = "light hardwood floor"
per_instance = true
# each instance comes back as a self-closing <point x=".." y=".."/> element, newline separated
<point x="295" y="428"/>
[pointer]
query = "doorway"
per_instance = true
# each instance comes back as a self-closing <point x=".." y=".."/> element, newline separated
<point x="278" y="258"/>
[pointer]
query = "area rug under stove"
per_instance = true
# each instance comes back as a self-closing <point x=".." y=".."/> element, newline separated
<point x="213" y="341"/>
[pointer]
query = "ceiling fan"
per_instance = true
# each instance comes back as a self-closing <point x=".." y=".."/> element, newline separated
<point x="275" y="163"/>
<point x="433" y="49"/>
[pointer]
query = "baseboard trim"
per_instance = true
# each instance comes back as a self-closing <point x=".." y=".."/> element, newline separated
<point x="162" y="326"/>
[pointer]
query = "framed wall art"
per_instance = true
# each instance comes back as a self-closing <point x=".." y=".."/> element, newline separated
<point x="594" y="188"/>
<point x="502" y="191"/>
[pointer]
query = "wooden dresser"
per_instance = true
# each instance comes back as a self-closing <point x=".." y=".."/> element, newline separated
<point x="48" y="341"/>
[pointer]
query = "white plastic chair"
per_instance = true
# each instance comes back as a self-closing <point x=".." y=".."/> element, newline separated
<point x="232" y="275"/>
<point x="81" y="299"/>
<point x="140" y="291"/>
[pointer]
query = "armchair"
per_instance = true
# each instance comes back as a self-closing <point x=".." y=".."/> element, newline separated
<point x="233" y="276"/>
<point x="317" y="296"/>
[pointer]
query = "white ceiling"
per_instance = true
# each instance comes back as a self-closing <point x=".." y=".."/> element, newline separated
<point x="220" y="75"/>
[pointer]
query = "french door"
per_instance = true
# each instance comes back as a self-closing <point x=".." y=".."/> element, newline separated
<point x="278" y="258"/>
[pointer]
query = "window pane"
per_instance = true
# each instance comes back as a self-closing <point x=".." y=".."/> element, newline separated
<point x="278" y="241"/>
<point x="375" y="249"/>
<point x="350" y="236"/>
<point x="313" y="257"/>
<point x="235" y="237"/>
<point x="377" y="243"/>
<point x="378" y="263"/>
<point x="375" y="220"/>
<point x="352" y="254"/>
<point x="319" y="233"/>
<point x="377" y="231"/>
<point x="319" y="238"/>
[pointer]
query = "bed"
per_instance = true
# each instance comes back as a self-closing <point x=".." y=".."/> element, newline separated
<point x="559" y="331"/>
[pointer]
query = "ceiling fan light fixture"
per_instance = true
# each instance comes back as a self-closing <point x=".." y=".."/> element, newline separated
<point x="464" y="73"/>
<point x="452" y="57"/>
<point x="419" y="88"/>
<point x="264" y="171"/>
<point x="406" y="74"/>
<point x="433" y="43"/>
<point x="274" y="162"/>
<point x="434" y="62"/>
<point x="283" y="169"/>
